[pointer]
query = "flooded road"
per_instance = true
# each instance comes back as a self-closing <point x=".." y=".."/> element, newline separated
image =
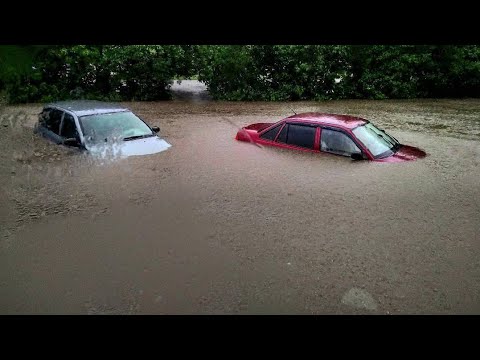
<point x="216" y="226"/>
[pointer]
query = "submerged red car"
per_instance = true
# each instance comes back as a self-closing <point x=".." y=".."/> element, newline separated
<point x="343" y="135"/>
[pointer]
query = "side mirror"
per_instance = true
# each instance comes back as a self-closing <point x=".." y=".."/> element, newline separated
<point x="155" y="129"/>
<point x="357" y="156"/>
<point x="71" y="142"/>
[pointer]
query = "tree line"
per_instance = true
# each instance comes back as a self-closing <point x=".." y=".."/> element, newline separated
<point x="240" y="72"/>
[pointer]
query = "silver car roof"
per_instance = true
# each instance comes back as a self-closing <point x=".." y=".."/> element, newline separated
<point x="87" y="107"/>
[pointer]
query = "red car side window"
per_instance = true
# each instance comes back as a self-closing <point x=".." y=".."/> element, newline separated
<point x="301" y="135"/>
<point x="337" y="142"/>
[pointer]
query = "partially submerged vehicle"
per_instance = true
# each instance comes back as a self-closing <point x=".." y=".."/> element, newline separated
<point x="343" y="135"/>
<point x="99" y="128"/>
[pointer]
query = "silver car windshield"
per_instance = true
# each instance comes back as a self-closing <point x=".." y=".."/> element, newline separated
<point x="113" y="126"/>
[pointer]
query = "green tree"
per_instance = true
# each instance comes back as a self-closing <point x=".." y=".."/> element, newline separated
<point x="237" y="72"/>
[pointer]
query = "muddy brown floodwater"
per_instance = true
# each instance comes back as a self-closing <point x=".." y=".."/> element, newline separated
<point x="216" y="226"/>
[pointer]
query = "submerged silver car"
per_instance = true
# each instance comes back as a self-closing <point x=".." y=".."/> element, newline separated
<point x="99" y="127"/>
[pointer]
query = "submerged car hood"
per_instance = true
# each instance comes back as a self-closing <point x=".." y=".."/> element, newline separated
<point x="406" y="153"/>
<point x="146" y="146"/>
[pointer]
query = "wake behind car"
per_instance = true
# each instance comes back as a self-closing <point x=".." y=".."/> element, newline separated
<point x="331" y="133"/>
<point x="99" y="127"/>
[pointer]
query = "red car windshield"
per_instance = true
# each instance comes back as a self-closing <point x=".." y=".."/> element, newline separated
<point x="377" y="141"/>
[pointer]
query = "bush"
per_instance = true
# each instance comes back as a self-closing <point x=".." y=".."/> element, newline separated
<point x="133" y="72"/>
<point x="320" y="72"/>
<point x="237" y="72"/>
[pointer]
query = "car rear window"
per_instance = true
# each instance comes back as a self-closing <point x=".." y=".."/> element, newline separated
<point x="271" y="134"/>
<point x="282" y="137"/>
<point x="51" y="118"/>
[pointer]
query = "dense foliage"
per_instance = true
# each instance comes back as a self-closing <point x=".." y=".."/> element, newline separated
<point x="271" y="72"/>
<point x="238" y="72"/>
<point x="114" y="72"/>
<point x="336" y="72"/>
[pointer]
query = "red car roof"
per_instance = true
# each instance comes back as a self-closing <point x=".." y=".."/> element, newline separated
<point x="346" y="121"/>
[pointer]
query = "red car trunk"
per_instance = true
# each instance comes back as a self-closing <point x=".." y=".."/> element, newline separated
<point x="258" y="127"/>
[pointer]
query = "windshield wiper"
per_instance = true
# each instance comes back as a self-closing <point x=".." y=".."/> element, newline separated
<point x="386" y="139"/>
<point x="388" y="135"/>
<point x="395" y="145"/>
<point x="137" y="137"/>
